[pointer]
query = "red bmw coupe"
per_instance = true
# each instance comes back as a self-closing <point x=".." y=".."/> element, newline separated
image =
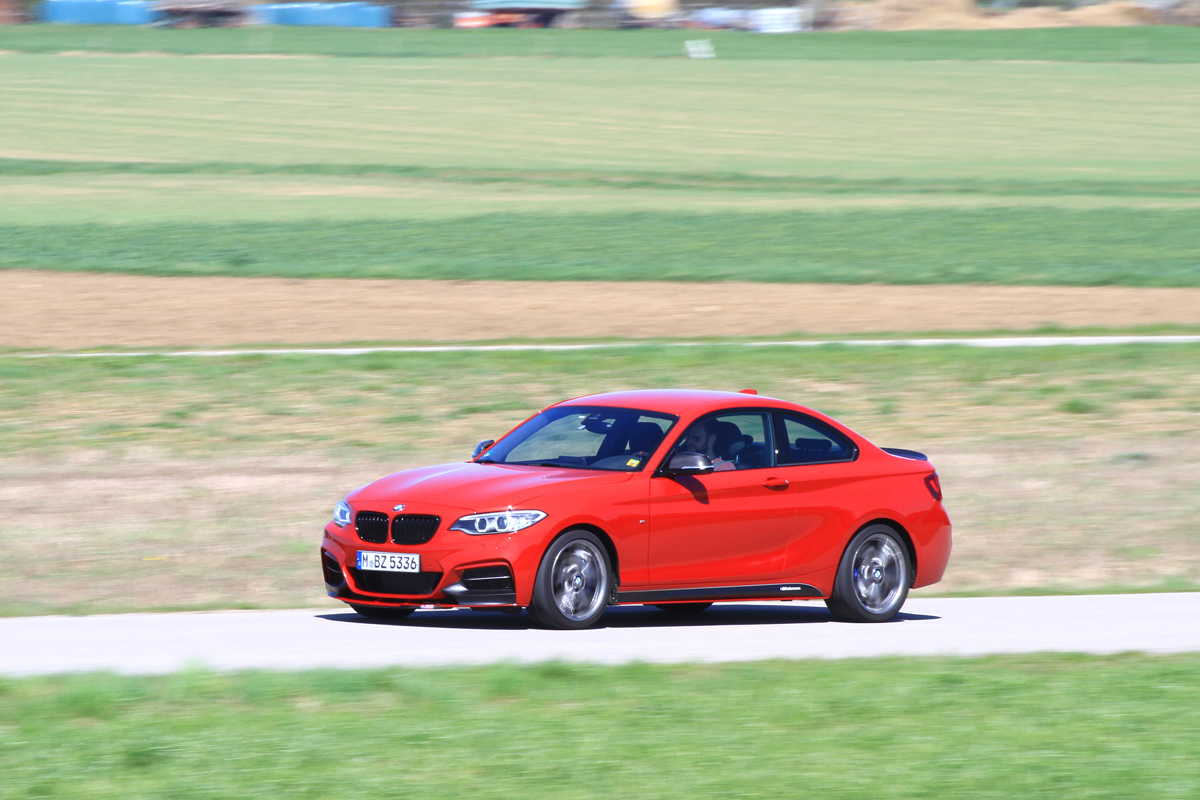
<point x="671" y="498"/>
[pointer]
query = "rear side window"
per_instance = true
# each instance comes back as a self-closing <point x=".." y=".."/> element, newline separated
<point x="804" y="440"/>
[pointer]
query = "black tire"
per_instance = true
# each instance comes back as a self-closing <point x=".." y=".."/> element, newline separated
<point x="383" y="613"/>
<point x="535" y="619"/>
<point x="873" y="577"/>
<point x="682" y="608"/>
<point x="573" y="583"/>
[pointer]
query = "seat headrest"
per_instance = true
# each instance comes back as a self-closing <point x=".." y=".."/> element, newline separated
<point x="644" y="436"/>
<point x="729" y="439"/>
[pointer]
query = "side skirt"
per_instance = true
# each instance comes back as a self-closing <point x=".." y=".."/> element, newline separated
<point x="759" y="592"/>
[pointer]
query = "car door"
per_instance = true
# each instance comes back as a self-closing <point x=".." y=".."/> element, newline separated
<point x="819" y="464"/>
<point x="728" y="527"/>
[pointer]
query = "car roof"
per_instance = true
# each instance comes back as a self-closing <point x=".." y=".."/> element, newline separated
<point x="679" y="401"/>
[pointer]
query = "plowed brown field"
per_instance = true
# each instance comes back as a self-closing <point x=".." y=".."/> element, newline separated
<point x="48" y="310"/>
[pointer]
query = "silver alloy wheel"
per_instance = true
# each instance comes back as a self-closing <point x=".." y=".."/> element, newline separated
<point x="879" y="572"/>
<point x="579" y="578"/>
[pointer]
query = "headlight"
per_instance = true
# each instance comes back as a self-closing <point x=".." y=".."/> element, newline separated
<point x="497" y="522"/>
<point x="342" y="514"/>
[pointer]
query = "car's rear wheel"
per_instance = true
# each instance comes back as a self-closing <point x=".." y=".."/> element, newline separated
<point x="682" y="608"/>
<point x="573" y="582"/>
<point x="873" y="577"/>
<point x="383" y="612"/>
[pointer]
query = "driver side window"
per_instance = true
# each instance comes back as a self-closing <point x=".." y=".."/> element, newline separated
<point x="735" y="440"/>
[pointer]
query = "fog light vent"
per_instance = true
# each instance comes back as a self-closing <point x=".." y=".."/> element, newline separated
<point x="332" y="570"/>
<point x="488" y="580"/>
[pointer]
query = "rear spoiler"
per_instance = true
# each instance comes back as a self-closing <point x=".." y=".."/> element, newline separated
<point x="913" y="454"/>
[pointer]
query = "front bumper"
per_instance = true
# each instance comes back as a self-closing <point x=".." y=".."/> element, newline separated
<point x="457" y="569"/>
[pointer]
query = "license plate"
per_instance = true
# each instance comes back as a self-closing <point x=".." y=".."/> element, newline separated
<point x="389" y="562"/>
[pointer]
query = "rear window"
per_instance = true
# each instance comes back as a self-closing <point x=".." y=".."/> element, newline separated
<point x="804" y="440"/>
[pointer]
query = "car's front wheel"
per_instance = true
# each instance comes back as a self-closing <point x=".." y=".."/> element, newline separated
<point x="873" y="577"/>
<point x="383" y="613"/>
<point x="573" y="582"/>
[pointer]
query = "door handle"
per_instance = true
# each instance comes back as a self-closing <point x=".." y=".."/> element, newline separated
<point x="775" y="483"/>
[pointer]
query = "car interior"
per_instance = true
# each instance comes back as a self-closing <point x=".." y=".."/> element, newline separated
<point x="740" y="448"/>
<point x="813" y="446"/>
<point x="638" y="442"/>
<point x="809" y="451"/>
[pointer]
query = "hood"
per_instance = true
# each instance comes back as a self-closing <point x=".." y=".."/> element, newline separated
<point x="472" y="487"/>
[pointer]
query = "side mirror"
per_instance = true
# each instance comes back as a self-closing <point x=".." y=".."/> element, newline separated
<point x="688" y="464"/>
<point x="484" y="445"/>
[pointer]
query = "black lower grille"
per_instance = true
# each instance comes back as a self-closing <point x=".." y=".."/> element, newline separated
<point x="371" y="526"/>
<point x="488" y="580"/>
<point x="411" y="583"/>
<point x="414" y="528"/>
<point x="333" y="572"/>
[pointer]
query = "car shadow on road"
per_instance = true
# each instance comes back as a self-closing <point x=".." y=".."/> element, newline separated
<point x="623" y="617"/>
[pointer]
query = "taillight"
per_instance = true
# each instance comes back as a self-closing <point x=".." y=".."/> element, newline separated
<point x="934" y="486"/>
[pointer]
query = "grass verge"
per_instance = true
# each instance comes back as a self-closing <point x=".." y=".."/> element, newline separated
<point x="399" y="403"/>
<point x="1029" y="726"/>
<point x="1071" y="468"/>
<point x="1158" y="44"/>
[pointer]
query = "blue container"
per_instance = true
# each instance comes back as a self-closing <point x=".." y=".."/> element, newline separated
<point x="375" y="16"/>
<point x="334" y="15"/>
<point x="358" y="14"/>
<point x="321" y="14"/>
<point x="53" y="10"/>
<point x="308" y="14"/>
<point x="343" y="15"/>
<point x="96" y="12"/>
<point x="61" y="11"/>
<point x="287" y="14"/>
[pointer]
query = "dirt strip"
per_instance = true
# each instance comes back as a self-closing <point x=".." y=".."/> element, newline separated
<point x="50" y="310"/>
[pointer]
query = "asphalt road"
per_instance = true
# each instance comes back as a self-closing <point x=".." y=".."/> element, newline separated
<point x="311" y="638"/>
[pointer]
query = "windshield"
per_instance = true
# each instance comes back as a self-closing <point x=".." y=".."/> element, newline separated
<point x="584" y="437"/>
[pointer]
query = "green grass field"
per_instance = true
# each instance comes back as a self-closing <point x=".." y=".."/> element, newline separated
<point x="1031" y="726"/>
<point x="632" y="167"/>
<point x="1002" y="246"/>
<point x="1065" y="469"/>
<point x="1159" y="44"/>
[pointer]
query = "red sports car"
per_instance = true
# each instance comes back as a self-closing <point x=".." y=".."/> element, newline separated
<point x="671" y="498"/>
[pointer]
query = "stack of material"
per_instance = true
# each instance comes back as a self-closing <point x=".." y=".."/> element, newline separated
<point x="201" y="13"/>
<point x="911" y="15"/>
<point x="9" y="14"/>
